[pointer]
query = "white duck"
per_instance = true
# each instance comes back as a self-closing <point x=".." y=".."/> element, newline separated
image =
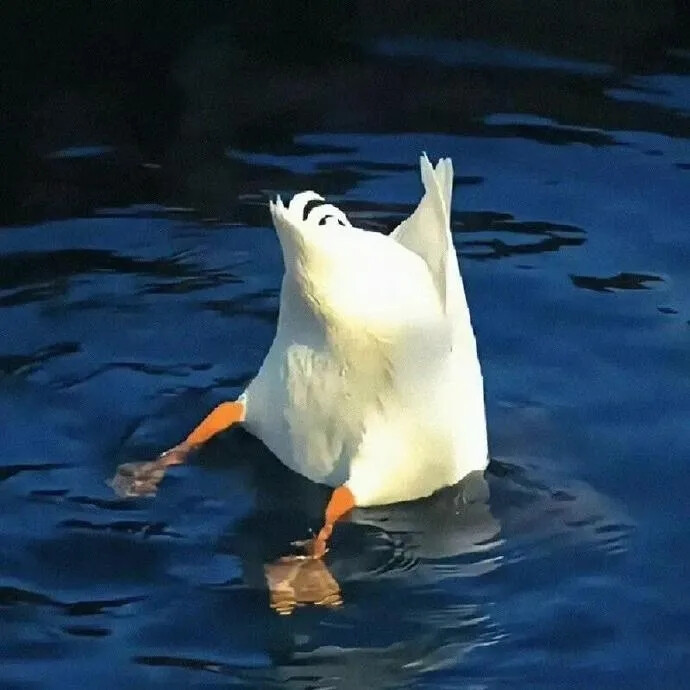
<point x="372" y="384"/>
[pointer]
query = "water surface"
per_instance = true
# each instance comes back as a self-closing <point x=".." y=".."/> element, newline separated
<point x="125" y="319"/>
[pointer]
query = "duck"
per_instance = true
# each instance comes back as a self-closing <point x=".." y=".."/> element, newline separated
<point x="372" y="384"/>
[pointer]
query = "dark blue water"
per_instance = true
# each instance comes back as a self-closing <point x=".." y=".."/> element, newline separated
<point x="123" y="320"/>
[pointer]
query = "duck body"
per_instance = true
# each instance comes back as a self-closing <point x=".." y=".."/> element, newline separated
<point x="372" y="380"/>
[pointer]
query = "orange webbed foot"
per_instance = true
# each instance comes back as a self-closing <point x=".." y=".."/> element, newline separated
<point x="134" y="479"/>
<point x="305" y="579"/>
<point x="142" y="478"/>
<point x="299" y="580"/>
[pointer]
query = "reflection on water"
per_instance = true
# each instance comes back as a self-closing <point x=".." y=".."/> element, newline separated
<point x="156" y="297"/>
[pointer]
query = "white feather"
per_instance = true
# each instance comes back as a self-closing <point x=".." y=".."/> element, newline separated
<point x="373" y="379"/>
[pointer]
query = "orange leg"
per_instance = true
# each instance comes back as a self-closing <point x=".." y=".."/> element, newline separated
<point x="222" y="417"/>
<point x="342" y="502"/>
<point x="142" y="478"/>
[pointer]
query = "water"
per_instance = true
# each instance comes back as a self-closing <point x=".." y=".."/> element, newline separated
<point x="128" y="313"/>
